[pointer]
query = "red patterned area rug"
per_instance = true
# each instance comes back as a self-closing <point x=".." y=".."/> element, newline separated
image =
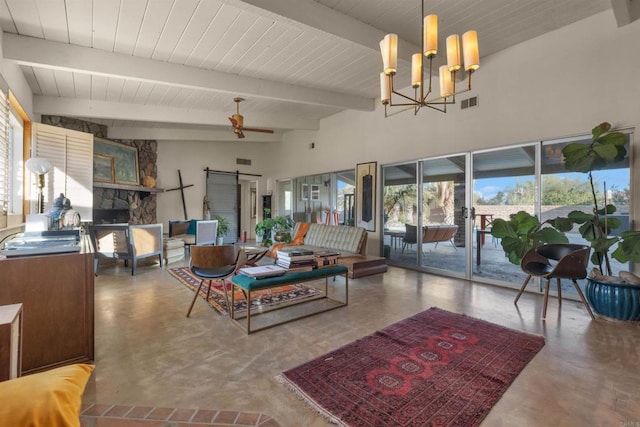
<point x="260" y="300"/>
<point x="433" y="369"/>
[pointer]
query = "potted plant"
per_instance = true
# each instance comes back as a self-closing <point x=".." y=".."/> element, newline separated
<point x="223" y="228"/>
<point x="612" y="296"/>
<point x="277" y="228"/>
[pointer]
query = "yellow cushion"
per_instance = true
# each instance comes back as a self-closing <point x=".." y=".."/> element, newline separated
<point x="45" y="399"/>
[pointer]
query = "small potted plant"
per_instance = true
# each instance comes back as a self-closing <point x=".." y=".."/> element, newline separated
<point x="223" y="228"/>
<point x="617" y="296"/>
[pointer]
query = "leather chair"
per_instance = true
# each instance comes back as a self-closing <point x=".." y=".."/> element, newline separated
<point x="556" y="261"/>
<point x="215" y="263"/>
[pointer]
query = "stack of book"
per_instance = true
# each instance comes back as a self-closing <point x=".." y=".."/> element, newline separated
<point x="296" y="259"/>
<point x="173" y="250"/>
<point x="263" y="271"/>
<point x="326" y="258"/>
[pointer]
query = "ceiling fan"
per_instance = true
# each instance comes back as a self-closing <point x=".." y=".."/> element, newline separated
<point x="238" y="122"/>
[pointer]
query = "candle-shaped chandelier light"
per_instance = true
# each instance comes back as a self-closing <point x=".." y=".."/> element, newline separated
<point x="447" y="73"/>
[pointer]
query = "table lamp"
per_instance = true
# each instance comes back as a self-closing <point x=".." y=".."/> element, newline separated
<point x="39" y="166"/>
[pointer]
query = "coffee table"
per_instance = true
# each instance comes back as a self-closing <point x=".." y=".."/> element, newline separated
<point x="249" y="285"/>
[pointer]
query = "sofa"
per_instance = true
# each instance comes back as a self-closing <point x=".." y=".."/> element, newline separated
<point x="432" y="234"/>
<point x="439" y="233"/>
<point x="350" y="242"/>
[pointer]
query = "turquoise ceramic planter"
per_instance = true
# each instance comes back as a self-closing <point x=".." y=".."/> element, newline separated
<point x="614" y="300"/>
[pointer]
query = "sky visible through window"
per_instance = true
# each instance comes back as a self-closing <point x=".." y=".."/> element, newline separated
<point x="487" y="188"/>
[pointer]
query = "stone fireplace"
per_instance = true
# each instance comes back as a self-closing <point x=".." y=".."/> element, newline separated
<point x="113" y="203"/>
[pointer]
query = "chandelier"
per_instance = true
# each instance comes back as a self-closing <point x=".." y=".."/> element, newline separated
<point x="447" y="73"/>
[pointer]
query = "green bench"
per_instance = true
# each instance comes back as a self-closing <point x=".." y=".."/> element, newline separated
<point x="248" y="285"/>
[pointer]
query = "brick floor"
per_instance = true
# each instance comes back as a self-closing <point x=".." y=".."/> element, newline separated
<point x="97" y="415"/>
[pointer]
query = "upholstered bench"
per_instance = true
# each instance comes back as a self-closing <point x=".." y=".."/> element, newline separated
<point x="249" y="285"/>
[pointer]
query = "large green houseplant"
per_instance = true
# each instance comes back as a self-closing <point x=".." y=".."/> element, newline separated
<point x="277" y="228"/>
<point x="607" y="293"/>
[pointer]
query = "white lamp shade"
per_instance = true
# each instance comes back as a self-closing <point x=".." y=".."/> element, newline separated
<point x="389" y="52"/>
<point x="453" y="52"/>
<point x="38" y="165"/>
<point x="416" y="69"/>
<point x="470" y="50"/>
<point x="430" y="35"/>
<point x="446" y="84"/>
<point x="385" y="90"/>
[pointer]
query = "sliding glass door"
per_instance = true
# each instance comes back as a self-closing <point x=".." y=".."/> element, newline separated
<point x="441" y="242"/>
<point x="504" y="182"/>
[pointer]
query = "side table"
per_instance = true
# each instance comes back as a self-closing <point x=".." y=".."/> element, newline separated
<point x="10" y="341"/>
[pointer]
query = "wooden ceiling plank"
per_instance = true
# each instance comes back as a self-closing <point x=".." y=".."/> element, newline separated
<point x="80" y="22"/>
<point x="25" y="17"/>
<point x="129" y="25"/>
<point x="43" y="53"/>
<point x="180" y="15"/>
<point x="195" y="30"/>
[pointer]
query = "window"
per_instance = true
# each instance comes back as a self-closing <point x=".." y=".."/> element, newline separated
<point x="4" y="156"/>
<point x="16" y="139"/>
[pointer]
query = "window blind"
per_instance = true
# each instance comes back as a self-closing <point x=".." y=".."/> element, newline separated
<point x="71" y="153"/>
<point x="4" y="157"/>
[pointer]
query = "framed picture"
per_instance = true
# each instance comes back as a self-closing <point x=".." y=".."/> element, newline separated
<point x="125" y="159"/>
<point x="103" y="169"/>
<point x="304" y="191"/>
<point x="253" y="205"/>
<point x="366" y="176"/>
<point x="315" y="192"/>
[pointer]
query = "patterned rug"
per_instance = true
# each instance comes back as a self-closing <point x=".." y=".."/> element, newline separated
<point x="260" y="300"/>
<point x="433" y="369"/>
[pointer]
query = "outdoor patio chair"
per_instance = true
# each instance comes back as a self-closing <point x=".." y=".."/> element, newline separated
<point x="215" y="263"/>
<point x="556" y="261"/>
<point x="410" y="236"/>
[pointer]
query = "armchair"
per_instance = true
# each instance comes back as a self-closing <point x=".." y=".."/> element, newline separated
<point x="126" y="242"/>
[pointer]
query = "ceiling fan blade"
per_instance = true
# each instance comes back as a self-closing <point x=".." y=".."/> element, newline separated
<point x="240" y="133"/>
<point x="258" y="130"/>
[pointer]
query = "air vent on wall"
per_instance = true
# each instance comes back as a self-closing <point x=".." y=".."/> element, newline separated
<point x="243" y="162"/>
<point x="469" y="102"/>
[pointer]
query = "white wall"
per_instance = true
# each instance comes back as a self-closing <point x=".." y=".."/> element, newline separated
<point x="192" y="158"/>
<point x="560" y="84"/>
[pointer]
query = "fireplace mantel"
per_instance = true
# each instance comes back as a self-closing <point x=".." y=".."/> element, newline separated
<point x="127" y="187"/>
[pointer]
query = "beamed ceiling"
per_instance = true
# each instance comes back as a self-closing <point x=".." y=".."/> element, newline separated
<point x="169" y="69"/>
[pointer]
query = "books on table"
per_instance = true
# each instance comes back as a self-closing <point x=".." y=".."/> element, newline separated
<point x="263" y="271"/>
<point x="297" y="265"/>
<point x="294" y="254"/>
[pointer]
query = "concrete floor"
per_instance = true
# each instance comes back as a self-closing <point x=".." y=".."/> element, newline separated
<point x="149" y="353"/>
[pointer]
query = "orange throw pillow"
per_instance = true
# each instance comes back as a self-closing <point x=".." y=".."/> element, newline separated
<point x="298" y="239"/>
